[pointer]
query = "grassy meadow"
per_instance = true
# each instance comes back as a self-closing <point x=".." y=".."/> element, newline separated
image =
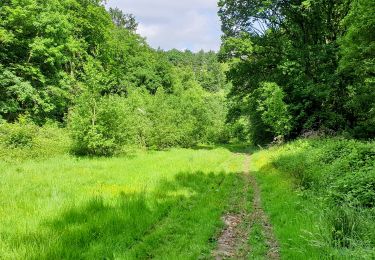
<point x="153" y="204"/>
<point x="141" y="204"/>
<point x="260" y="145"/>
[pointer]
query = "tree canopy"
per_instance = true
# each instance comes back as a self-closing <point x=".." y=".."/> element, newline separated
<point x="290" y="67"/>
<point x="314" y="51"/>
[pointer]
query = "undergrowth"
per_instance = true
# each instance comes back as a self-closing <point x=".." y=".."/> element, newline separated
<point x="333" y="182"/>
<point x="24" y="140"/>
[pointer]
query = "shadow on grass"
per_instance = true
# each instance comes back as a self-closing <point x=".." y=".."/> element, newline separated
<point x="242" y="148"/>
<point x="185" y="212"/>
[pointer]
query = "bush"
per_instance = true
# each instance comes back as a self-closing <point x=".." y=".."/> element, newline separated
<point x="24" y="140"/>
<point x="342" y="169"/>
<point x="96" y="126"/>
<point x="102" y="126"/>
<point x="357" y="189"/>
<point x="19" y="135"/>
<point x="185" y="118"/>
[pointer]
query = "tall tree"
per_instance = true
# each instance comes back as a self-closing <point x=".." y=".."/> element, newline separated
<point x="295" y="45"/>
<point x="357" y="66"/>
<point x="123" y="20"/>
<point x="45" y="45"/>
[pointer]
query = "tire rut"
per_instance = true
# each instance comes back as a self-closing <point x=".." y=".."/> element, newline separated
<point x="233" y="240"/>
<point x="259" y="215"/>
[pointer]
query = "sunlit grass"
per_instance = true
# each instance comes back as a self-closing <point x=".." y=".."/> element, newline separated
<point x="126" y="207"/>
<point x="294" y="186"/>
<point x="295" y="218"/>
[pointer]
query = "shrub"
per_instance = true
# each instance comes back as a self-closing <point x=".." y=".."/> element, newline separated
<point x="341" y="174"/>
<point x="104" y="125"/>
<point x="96" y="126"/>
<point x="343" y="169"/>
<point x="357" y="189"/>
<point x="136" y="119"/>
<point x="24" y="140"/>
<point x="20" y="135"/>
<point x="163" y="114"/>
<point x="298" y="168"/>
<point x="185" y="118"/>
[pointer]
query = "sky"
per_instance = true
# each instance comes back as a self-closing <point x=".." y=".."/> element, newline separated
<point x="180" y="24"/>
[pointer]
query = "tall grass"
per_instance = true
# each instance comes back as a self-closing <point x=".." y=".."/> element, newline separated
<point x="164" y="205"/>
<point x="320" y="194"/>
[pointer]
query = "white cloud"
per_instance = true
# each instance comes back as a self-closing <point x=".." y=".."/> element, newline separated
<point x="184" y="24"/>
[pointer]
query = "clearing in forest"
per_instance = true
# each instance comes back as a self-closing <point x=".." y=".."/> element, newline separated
<point x="160" y="205"/>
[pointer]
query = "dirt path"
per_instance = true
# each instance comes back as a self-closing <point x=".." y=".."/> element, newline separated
<point x="233" y="240"/>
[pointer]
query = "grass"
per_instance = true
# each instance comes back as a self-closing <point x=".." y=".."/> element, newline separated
<point x="318" y="196"/>
<point x="257" y="241"/>
<point x="294" y="218"/>
<point x="164" y="205"/>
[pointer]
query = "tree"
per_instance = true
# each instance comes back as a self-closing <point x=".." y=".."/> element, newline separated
<point x="122" y="20"/>
<point x="95" y="120"/>
<point x="272" y="108"/>
<point x="295" y="45"/>
<point x="203" y="67"/>
<point x="357" y="66"/>
<point x="45" y="44"/>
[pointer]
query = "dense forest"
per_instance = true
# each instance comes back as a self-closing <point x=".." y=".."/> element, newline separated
<point x="75" y="63"/>
<point x="295" y="68"/>
<point x="300" y="66"/>
<point x="293" y="84"/>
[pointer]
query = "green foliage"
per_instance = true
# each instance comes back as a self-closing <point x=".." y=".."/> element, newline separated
<point x="16" y="95"/>
<point x="327" y="187"/>
<point x="357" y="189"/>
<point x="357" y="66"/>
<point x="104" y="125"/>
<point x="50" y="39"/>
<point x="19" y="135"/>
<point x="74" y="62"/>
<point x="24" y="140"/>
<point x="357" y="44"/>
<point x="342" y="173"/>
<point x="202" y="67"/>
<point x="239" y="130"/>
<point x="94" y="121"/>
<point x="46" y="46"/>
<point x="95" y="125"/>
<point x="123" y="20"/>
<point x="325" y="71"/>
<point x="343" y="169"/>
<point x="274" y="112"/>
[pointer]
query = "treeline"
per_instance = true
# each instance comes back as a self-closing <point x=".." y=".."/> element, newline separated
<point x="300" y="67"/>
<point x="295" y="67"/>
<point x="85" y="67"/>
